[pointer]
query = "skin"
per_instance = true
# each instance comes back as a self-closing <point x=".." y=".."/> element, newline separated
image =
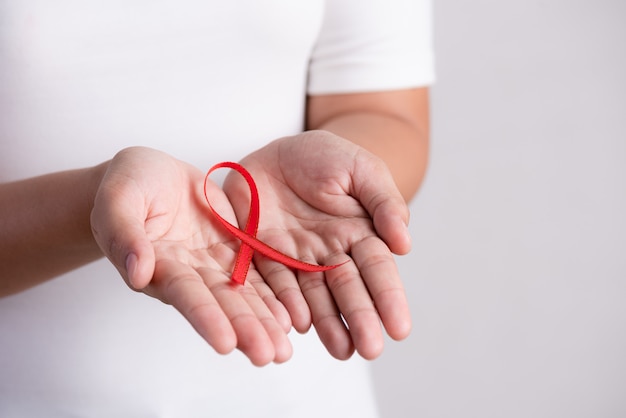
<point x="327" y="200"/>
<point x="166" y="246"/>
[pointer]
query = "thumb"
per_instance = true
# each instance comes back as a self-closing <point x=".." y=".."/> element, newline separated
<point x="376" y="189"/>
<point x="123" y="240"/>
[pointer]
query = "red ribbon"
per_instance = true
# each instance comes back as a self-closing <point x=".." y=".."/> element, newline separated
<point x="249" y="242"/>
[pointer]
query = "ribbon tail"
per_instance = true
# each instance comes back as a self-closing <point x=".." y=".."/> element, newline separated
<point x="271" y="252"/>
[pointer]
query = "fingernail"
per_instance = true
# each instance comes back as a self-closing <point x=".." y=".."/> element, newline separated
<point x="131" y="266"/>
<point x="406" y="233"/>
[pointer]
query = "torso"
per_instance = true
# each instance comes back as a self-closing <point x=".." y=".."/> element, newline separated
<point x="204" y="81"/>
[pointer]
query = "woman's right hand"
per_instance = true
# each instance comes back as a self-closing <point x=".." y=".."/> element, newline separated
<point x="151" y="221"/>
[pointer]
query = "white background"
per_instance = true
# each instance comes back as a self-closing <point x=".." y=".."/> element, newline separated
<point x="517" y="278"/>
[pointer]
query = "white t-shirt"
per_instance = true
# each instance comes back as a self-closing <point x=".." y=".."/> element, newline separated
<point x="205" y="81"/>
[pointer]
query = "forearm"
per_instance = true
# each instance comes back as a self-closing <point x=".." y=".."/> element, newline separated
<point x="392" y="125"/>
<point x="44" y="227"/>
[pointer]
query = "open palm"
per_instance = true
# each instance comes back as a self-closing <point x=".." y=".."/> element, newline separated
<point x="325" y="200"/>
<point x="151" y="221"/>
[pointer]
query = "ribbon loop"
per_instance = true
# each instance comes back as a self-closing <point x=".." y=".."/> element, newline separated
<point x="247" y="236"/>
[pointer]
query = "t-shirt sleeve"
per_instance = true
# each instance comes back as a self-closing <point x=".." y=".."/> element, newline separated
<point x="373" y="45"/>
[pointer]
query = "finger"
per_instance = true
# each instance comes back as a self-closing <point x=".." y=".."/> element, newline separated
<point x="284" y="286"/>
<point x="226" y="315"/>
<point x="356" y="306"/>
<point x="119" y="231"/>
<point x="376" y="190"/>
<point x="278" y="310"/>
<point x="259" y="336"/>
<point x="380" y="274"/>
<point x="326" y="316"/>
<point x="182" y="287"/>
<point x="281" y="345"/>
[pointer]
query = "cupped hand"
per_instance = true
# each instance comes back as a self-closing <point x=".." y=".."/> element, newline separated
<point x="151" y="220"/>
<point x="326" y="200"/>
